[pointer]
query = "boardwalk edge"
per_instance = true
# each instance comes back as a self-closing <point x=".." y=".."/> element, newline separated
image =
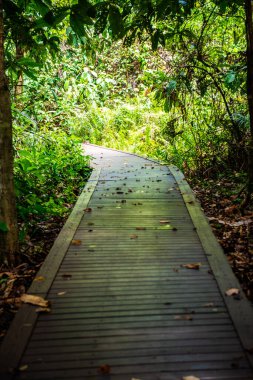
<point x="240" y="311"/>
<point x="18" y="335"/>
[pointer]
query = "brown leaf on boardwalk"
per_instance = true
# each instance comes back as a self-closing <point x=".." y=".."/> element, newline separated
<point x="66" y="275"/>
<point x="88" y="209"/>
<point x="43" y="310"/>
<point x="23" y="367"/>
<point x="164" y="221"/>
<point x="140" y="228"/>
<point x="61" y="293"/>
<point x="232" y="292"/>
<point x="209" y="304"/>
<point x="191" y="377"/>
<point x="34" y="300"/>
<point x="185" y="317"/>
<point x="133" y="236"/>
<point x="191" y="266"/>
<point x="76" y="242"/>
<point x="39" y="278"/>
<point x="104" y="369"/>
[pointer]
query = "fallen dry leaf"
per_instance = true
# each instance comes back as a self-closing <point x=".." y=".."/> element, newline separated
<point x="39" y="278"/>
<point x="66" y="275"/>
<point x="61" y="293"/>
<point x="43" y="310"/>
<point x="105" y="369"/>
<point x="186" y="317"/>
<point x="88" y="209"/>
<point x="191" y="266"/>
<point x="232" y="292"/>
<point x="76" y="242"/>
<point x="140" y="228"/>
<point x="209" y="304"/>
<point x="23" y="368"/>
<point x="34" y="300"/>
<point x="191" y="377"/>
<point x="164" y="221"/>
<point x="133" y="236"/>
<point x="9" y="287"/>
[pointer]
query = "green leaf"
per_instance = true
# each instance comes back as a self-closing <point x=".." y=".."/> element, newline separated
<point x="167" y="105"/>
<point x="84" y="9"/>
<point x="41" y="7"/>
<point x="3" y="227"/>
<point x="28" y="62"/>
<point x="77" y="25"/>
<point x="230" y="77"/>
<point x="116" y="22"/>
<point x="171" y="86"/>
<point x="30" y="74"/>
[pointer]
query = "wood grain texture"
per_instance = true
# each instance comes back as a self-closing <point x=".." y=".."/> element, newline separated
<point x="123" y="297"/>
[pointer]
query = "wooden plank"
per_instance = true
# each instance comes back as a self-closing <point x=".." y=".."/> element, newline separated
<point x="230" y="374"/>
<point x="161" y="364"/>
<point x="123" y="349"/>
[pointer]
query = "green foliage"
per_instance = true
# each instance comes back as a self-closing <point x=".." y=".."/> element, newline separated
<point x="3" y="226"/>
<point x="49" y="172"/>
<point x="184" y="103"/>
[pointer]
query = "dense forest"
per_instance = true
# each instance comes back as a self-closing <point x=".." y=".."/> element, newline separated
<point x="171" y="80"/>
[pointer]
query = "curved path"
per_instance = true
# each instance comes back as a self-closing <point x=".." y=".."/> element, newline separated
<point x="137" y="285"/>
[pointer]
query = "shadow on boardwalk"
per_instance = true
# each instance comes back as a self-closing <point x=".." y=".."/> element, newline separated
<point x="126" y="304"/>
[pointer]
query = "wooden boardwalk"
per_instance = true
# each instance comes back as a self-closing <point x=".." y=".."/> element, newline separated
<point x="124" y="305"/>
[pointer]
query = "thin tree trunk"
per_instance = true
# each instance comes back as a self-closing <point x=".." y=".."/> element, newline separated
<point x="8" y="220"/>
<point x="19" y="85"/>
<point x="249" y="34"/>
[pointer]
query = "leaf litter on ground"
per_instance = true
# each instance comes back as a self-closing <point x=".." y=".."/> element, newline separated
<point x="232" y="227"/>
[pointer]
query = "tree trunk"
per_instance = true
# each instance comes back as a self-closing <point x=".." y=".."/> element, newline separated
<point x="19" y="84"/>
<point x="249" y="34"/>
<point x="8" y="220"/>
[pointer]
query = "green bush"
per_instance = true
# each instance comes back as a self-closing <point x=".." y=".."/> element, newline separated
<point x="50" y="170"/>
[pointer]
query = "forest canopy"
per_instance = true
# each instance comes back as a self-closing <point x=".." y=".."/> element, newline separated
<point x="169" y="79"/>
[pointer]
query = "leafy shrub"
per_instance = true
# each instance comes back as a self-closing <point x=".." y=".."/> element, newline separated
<point x="49" y="173"/>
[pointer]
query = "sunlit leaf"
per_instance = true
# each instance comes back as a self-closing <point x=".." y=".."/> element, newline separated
<point x="34" y="300"/>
